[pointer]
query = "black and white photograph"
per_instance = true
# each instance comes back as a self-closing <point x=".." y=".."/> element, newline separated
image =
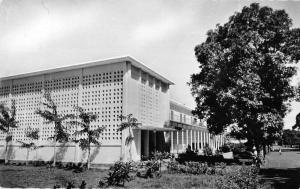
<point x="150" y="94"/>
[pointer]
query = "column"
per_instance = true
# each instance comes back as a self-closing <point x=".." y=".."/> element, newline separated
<point x="177" y="141"/>
<point x="187" y="137"/>
<point x="182" y="139"/>
<point x="172" y="145"/>
<point x="198" y="140"/>
<point x="191" y="134"/>
<point x="201" y="138"/>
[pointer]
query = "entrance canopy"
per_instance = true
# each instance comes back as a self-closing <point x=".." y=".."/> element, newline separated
<point x="153" y="128"/>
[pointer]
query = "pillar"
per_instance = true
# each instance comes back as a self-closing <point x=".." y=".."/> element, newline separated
<point x="172" y="145"/>
<point x="177" y="141"/>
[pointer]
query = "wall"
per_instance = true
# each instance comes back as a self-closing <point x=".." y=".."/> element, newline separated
<point x="97" y="89"/>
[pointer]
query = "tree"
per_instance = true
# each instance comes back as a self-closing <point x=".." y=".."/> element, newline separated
<point x="92" y="135"/>
<point x="8" y="121"/>
<point x="128" y="122"/>
<point x="51" y="115"/>
<point x="297" y="125"/>
<point x="245" y="70"/>
<point x="290" y="137"/>
<point x="32" y="135"/>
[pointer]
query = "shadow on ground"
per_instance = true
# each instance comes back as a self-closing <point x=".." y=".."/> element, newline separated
<point x="288" y="178"/>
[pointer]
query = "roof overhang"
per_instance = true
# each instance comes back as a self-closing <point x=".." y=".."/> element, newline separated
<point x="153" y="128"/>
<point x="92" y="64"/>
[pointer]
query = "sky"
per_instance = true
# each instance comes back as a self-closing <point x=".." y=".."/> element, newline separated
<point x="43" y="34"/>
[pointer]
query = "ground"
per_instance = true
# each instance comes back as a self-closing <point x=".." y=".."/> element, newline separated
<point x="280" y="171"/>
<point x="42" y="177"/>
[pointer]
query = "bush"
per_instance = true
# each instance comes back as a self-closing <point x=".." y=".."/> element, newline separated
<point x="118" y="175"/>
<point x="207" y="151"/>
<point x="195" y="168"/>
<point x="244" y="177"/>
<point x="149" y="169"/>
<point x="211" y="160"/>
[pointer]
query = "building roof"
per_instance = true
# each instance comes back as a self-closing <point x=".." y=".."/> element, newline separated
<point x="133" y="61"/>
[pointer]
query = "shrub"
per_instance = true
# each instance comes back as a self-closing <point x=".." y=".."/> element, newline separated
<point x="211" y="160"/>
<point x="82" y="185"/>
<point x="70" y="185"/>
<point x="243" y="177"/>
<point x="118" y="175"/>
<point x="207" y="151"/>
<point x="195" y="168"/>
<point x="149" y="169"/>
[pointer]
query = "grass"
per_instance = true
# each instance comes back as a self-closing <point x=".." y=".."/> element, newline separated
<point x="42" y="177"/>
<point x="282" y="171"/>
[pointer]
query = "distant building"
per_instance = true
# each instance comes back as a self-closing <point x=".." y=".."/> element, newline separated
<point x="108" y="88"/>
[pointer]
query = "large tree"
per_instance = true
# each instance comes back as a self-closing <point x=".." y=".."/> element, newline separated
<point x="87" y="133"/>
<point x="52" y="116"/>
<point x="7" y="122"/>
<point x="245" y="70"/>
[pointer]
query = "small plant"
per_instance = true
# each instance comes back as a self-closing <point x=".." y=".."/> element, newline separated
<point x="56" y="186"/>
<point x="118" y="175"/>
<point x="150" y="169"/>
<point x="207" y="151"/>
<point x="70" y="185"/>
<point x="82" y="185"/>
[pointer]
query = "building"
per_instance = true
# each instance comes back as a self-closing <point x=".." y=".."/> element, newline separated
<point x="109" y="88"/>
<point x="190" y="131"/>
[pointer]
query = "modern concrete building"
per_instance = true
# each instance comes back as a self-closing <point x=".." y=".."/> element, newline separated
<point x="109" y="88"/>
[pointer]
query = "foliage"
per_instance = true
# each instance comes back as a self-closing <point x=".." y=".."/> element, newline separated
<point x="51" y="115"/>
<point x="128" y="122"/>
<point x="290" y="137"/>
<point x="8" y="121"/>
<point x="118" y="175"/>
<point x="82" y="185"/>
<point x="207" y="151"/>
<point x="233" y="147"/>
<point x="92" y="135"/>
<point x="244" y="177"/>
<point x="32" y="134"/>
<point x="245" y="73"/>
<point x="149" y="169"/>
<point x="297" y="124"/>
<point x="195" y="168"/>
<point x="194" y="157"/>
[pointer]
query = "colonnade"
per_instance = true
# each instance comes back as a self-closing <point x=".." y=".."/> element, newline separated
<point x="194" y="138"/>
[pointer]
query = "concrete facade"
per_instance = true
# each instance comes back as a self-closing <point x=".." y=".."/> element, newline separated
<point x="108" y="88"/>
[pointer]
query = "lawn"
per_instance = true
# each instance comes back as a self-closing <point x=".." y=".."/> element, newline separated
<point x="282" y="171"/>
<point x="279" y="171"/>
<point x="42" y="177"/>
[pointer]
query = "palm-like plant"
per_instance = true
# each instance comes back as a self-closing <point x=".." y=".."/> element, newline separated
<point x="92" y="135"/>
<point x="33" y="135"/>
<point x="7" y="121"/>
<point x="128" y="122"/>
<point x="51" y="115"/>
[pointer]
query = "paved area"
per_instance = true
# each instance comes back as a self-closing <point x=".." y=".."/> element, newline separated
<point x="282" y="171"/>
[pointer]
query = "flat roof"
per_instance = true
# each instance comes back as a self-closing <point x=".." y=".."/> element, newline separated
<point x="133" y="61"/>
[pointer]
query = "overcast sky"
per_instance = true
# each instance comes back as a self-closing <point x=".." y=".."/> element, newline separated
<point x="162" y="34"/>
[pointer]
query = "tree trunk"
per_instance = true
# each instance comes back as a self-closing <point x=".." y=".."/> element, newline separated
<point x="6" y="153"/>
<point x="88" y="158"/>
<point x="54" y="156"/>
<point x="130" y="153"/>
<point x="27" y="156"/>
